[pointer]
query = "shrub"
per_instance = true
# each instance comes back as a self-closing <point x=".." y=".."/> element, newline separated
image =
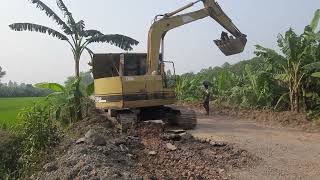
<point x="9" y="155"/>
<point x="38" y="132"/>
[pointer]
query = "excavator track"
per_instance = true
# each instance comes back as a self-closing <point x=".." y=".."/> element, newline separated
<point x="172" y="116"/>
<point x="182" y="118"/>
<point x="187" y="119"/>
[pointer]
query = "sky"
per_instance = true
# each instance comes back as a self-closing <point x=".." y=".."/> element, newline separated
<point x="30" y="57"/>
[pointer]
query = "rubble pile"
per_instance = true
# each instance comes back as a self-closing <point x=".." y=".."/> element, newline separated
<point x="96" y="151"/>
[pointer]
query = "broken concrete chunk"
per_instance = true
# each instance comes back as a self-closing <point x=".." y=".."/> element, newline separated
<point x="171" y="147"/>
<point x="92" y="137"/>
<point x="80" y="141"/>
<point x="90" y="134"/>
<point x="152" y="153"/>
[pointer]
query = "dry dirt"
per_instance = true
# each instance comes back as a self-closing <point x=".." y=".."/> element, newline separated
<point x="226" y="145"/>
<point x="286" y="153"/>
<point x="143" y="154"/>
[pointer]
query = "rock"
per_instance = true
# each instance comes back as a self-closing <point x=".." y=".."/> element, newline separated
<point x="213" y="143"/>
<point x="90" y="134"/>
<point x="92" y="137"/>
<point x="221" y="170"/>
<point x="123" y="148"/>
<point x="80" y="141"/>
<point x="173" y="137"/>
<point x="95" y="178"/>
<point x="154" y="124"/>
<point x="130" y="155"/>
<point x="119" y="141"/>
<point x="152" y="153"/>
<point x="171" y="147"/>
<point x="99" y="141"/>
<point x="217" y="144"/>
<point x="50" y="167"/>
<point x="186" y="136"/>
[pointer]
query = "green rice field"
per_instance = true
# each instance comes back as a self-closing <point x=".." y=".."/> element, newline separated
<point x="10" y="108"/>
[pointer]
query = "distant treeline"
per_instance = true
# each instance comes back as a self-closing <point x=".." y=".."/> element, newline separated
<point x="13" y="89"/>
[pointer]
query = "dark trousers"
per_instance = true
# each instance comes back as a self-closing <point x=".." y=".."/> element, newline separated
<point x="206" y="106"/>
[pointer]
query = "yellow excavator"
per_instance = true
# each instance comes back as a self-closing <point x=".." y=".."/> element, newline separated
<point x="133" y="87"/>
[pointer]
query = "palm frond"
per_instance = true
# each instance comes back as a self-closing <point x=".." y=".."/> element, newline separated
<point x="80" y="26"/>
<point x="90" y="89"/>
<point x="92" y="33"/>
<point x="317" y="74"/>
<point x="37" y="28"/>
<point x="315" y="21"/>
<point x="51" y="86"/>
<point x="90" y="52"/>
<point x="282" y="97"/>
<point x="312" y="66"/>
<point x="50" y="13"/>
<point x="118" y="40"/>
<point x="68" y="14"/>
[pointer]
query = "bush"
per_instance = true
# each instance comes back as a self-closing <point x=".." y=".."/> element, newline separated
<point x="38" y="133"/>
<point x="9" y="155"/>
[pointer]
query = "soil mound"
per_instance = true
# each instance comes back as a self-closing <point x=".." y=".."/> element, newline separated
<point x="95" y="151"/>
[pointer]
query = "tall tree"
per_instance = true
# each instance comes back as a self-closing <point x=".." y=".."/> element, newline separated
<point x="2" y="73"/>
<point x="74" y="33"/>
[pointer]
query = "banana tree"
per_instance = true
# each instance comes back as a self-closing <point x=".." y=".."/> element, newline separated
<point x="74" y="33"/>
<point x="298" y="51"/>
<point x="63" y="100"/>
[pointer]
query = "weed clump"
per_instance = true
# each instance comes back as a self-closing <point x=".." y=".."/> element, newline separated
<point x="21" y="151"/>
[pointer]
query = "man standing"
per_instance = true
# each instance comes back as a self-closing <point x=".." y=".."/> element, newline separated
<point x="206" y="97"/>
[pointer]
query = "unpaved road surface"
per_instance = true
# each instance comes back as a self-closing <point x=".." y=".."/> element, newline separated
<point x="285" y="153"/>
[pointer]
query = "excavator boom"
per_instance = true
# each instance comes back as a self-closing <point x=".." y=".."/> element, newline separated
<point x="229" y="45"/>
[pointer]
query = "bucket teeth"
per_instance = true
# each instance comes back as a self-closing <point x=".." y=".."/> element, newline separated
<point x="230" y="46"/>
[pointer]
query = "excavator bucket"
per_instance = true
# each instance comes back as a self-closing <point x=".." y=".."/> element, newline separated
<point x="230" y="45"/>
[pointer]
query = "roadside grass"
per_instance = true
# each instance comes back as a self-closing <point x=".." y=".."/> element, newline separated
<point x="10" y="108"/>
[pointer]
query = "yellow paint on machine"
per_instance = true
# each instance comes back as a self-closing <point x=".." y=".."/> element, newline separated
<point x="107" y="86"/>
<point x="148" y="103"/>
<point x="130" y="85"/>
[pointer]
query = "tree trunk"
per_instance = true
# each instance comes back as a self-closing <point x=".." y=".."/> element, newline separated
<point x="77" y="67"/>
<point x="291" y="98"/>
<point x="298" y="104"/>
<point x="77" y="94"/>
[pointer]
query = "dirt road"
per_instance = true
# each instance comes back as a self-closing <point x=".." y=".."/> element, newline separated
<point x="286" y="153"/>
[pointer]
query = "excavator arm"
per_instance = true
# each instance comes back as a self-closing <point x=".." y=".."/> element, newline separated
<point x="228" y="45"/>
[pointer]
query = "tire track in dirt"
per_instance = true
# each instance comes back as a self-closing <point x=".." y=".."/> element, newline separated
<point x="286" y="153"/>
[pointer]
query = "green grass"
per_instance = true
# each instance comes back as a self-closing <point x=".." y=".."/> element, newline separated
<point x="10" y="108"/>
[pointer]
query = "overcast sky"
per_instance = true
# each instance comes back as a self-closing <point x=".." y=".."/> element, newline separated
<point x="31" y="57"/>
